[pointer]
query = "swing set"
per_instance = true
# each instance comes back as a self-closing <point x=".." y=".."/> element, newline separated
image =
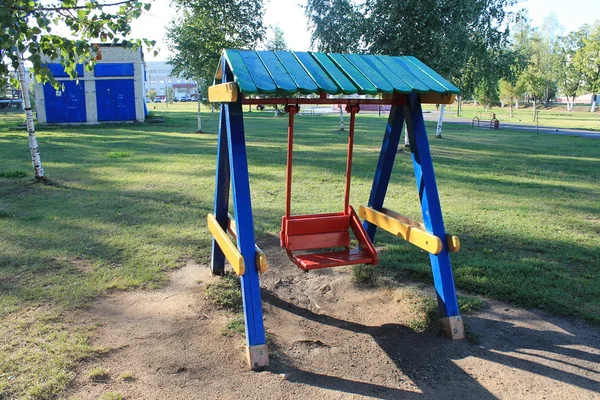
<point x="317" y="241"/>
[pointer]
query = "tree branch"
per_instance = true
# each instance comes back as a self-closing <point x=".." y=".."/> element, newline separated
<point x="118" y="3"/>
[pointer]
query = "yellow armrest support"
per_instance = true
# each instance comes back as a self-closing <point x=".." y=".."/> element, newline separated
<point x="261" y="258"/>
<point x="226" y="245"/>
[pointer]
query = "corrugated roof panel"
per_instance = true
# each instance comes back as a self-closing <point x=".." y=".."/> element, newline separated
<point x="284" y="82"/>
<point x="325" y="83"/>
<point x="415" y="84"/>
<point x="382" y="84"/>
<point x="286" y="73"/>
<point x="240" y="72"/>
<point x="398" y="84"/>
<point x="258" y="72"/>
<point x="364" y="85"/>
<point x="445" y="83"/>
<point x="334" y="73"/>
<point x="434" y="85"/>
<point x="297" y="72"/>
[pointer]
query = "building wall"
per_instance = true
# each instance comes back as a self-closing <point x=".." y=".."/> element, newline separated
<point x="110" y="55"/>
<point x="159" y="77"/>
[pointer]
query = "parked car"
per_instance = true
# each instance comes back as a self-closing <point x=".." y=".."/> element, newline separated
<point x="159" y="100"/>
<point x="182" y="97"/>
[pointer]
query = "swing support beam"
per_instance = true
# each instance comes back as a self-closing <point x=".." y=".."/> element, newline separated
<point x="232" y="173"/>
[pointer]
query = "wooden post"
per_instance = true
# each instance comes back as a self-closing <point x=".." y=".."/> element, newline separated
<point x="383" y="172"/>
<point x="443" y="279"/>
<point x="221" y="194"/>
<point x="233" y="122"/>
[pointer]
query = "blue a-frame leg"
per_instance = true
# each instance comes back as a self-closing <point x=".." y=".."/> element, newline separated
<point x="232" y="165"/>
<point x="412" y="114"/>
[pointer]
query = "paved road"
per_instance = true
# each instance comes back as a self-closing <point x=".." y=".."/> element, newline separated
<point x="433" y="116"/>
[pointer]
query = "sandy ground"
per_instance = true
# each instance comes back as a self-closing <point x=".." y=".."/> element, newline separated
<point x="331" y="340"/>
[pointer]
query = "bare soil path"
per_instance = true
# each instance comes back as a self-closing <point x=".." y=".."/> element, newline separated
<point x="331" y="340"/>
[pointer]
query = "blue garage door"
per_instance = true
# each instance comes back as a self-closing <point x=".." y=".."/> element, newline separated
<point x="65" y="105"/>
<point x="115" y="99"/>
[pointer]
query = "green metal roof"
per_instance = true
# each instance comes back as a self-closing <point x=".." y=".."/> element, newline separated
<point x="285" y="73"/>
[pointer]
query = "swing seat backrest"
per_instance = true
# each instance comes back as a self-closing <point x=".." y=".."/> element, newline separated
<point x="317" y="231"/>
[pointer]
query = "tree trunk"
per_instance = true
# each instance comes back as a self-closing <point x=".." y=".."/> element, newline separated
<point x="517" y="104"/>
<point x="341" y="118"/>
<point x="199" y="117"/>
<point x="487" y="107"/>
<point x="33" y="146"/>
<point x="534" y="108"/>
<point x="593" y="103"/>
<point x="438" y="131"/>
<point x="510" y="108"/>
<point x="406" y="139"/>
<point x="475" y="102"/>
<point x="458" y="104"/>
<point x="199" y="91"/>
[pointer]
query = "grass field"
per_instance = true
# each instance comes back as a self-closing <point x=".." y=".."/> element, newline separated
<point x="128" y="202"/>
<point x="555" y="116"/>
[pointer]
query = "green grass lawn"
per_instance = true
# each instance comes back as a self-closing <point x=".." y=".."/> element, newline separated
<point x="555" y="116"/>
<point x="128" y="202"/>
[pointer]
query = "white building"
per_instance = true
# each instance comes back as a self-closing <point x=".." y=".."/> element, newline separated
<point x="159" y="77"/>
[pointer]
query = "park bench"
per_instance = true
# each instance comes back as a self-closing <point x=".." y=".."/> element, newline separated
<point x="492" y="122"/>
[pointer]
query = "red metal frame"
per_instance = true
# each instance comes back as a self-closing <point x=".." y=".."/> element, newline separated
<point x="352" y="109"/>
<point x="292" y="110"/>
<point x="321" y="231"/>
<point x="399" y="100"/>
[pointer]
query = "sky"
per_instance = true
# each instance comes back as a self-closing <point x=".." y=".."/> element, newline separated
<point x="289" y="15"/>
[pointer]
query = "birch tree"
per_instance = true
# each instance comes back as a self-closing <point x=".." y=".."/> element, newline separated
<point x="277" y="40"/>
<point x="587" y="59"/>
<point x="28" y="34"/>
<point x="203" y="28"/>
<point x="571" y="76"/>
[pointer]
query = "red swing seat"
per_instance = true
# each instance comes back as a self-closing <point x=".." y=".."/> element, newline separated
<point x="313" y="234"/>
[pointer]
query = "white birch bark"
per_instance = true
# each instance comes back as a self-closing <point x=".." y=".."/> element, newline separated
<point x="33" y="146"/>
<point x="341" y="118"/>
<point x="199" y="116"/>
<point x="458" y="105"/>
<point x="438" y="130"/>
<point x="406" y="139"/>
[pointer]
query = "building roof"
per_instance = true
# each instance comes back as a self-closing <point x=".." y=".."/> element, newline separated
<point x="286" y="73"/>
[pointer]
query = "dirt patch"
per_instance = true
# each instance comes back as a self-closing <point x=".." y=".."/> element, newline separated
<point x="330" y="340"/>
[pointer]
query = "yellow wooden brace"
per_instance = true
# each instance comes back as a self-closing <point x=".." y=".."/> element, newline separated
<point x="229" y="249"/>
<point x="261" y="258"/>
<point x="223" y="93"/>
<point x="437" y="98"/>
<point x="453" y="243"/>
<point x="402" y="226"/>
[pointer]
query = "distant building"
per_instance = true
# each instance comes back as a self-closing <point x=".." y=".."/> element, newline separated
<point x="159" y="77"/>
<point x="113" y="91"/>
<point x="583" y="99"/>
